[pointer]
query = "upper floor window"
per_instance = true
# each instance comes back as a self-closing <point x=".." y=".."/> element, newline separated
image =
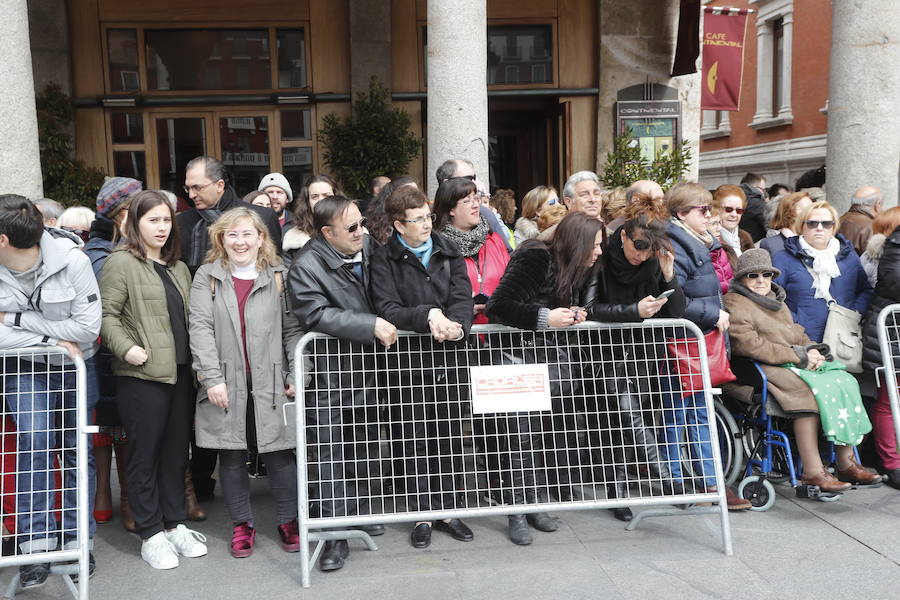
<point x="774" y="40"/>
<point x="519" y="54"/>
<point x="196" y="59"/>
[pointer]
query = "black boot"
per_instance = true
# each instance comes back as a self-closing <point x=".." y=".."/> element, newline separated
<point x="518" y="530"/>
<point x="333" y="555"/>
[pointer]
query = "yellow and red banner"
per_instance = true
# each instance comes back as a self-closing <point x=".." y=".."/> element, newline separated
<point x="724" y="31"/>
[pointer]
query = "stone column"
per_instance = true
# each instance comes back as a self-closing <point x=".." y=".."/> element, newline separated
<point x="785" y="111"/>
<point x="764" y="58"/>
<point x="20" y="161"/>
<point x="457" y="85"/>
<point x="863" y="99"/>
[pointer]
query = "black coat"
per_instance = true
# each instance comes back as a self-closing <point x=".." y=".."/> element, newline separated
<point x="887" y="291"/>
<point x="754" y="219"/>
<point x="327" y="297"/>
<point x="404" y="291"/>
<point x="188" y="219"/>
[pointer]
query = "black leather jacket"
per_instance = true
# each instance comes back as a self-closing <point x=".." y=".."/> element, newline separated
<point x="327" y="297"/>
<point x="887" y="291"/>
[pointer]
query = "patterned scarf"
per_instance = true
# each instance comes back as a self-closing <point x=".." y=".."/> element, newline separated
<point x="468" y="242"/>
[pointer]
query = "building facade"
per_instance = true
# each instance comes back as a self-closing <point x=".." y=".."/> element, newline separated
<point x="157" y="82"/>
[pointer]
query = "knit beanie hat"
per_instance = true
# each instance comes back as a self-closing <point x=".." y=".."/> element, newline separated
<point x="113" y="192"/>
<point x="277" y="180"/>
<point x="755" y="260"/>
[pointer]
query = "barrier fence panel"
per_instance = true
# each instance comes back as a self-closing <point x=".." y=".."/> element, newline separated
<point x="504" y="422"/>
<point x="44" y="459"/>
<point x="889" y="341"/>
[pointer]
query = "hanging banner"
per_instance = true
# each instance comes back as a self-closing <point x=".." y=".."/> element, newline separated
<point x="723" y="58"/>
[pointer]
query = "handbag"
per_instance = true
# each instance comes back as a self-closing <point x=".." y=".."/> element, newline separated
<point x="843" y="336"/>
<point x="686" y="353"/>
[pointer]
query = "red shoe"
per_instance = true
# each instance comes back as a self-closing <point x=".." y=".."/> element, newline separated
<point x="103" y="516"/>
<point x="242" y="540"/>
<point x="289" y="533"/>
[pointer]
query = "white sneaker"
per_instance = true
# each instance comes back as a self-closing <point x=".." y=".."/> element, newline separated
<point x="187" y="542"/>
<point x="159" y="552"/>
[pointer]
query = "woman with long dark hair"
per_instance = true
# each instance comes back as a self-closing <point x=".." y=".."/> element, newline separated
<point x="145" y="292"/>
<point x="314" y="189"/>
<point x="545" y="287"/>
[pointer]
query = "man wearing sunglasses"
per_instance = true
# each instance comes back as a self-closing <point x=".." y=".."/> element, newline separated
<point x="329" y="288"/>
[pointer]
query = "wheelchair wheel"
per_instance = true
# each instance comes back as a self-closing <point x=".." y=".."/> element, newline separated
<point x="729" y="449"/>
<point x="758" y="491"/>
<point x="780" y="471"/>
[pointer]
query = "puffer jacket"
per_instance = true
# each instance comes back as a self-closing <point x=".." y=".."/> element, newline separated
<point x="850" y="290"/>
<point x="697" y="277"/>
<point x="887" y="291"/>
<point x="272" y="332"/>
<point x="723" y="269"/>
<point x="65" y="303"/>
<point x="754" y="219"/>
<point x="135" y="314"/>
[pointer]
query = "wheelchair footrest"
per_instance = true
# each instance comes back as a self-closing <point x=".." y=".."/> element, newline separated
<point x="814" y="492"/>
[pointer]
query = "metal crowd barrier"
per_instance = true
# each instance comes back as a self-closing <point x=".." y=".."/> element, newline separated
<point x="44" y="462"/>
<point x="504" y="422"/>
<point x="889" y="341"/>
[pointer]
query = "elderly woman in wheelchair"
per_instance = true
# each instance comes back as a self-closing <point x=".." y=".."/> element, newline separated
<point x="801" y="378"/>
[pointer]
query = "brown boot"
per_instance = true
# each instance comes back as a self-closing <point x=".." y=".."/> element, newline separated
<point x="124" y="508"/>
<point x="195" y="512"/>
<point x="826" y="481"/>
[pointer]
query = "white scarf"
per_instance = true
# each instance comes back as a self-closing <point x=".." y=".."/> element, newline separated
<point x="731" y="239"/>
<point x="824" y="267"/>
<point x="247" y="272"/>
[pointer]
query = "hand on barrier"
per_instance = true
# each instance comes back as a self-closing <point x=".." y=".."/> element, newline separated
<point x="580" y="314"/>
<point x="443" y="329"/>
<point x="561" y="317"/>
<point x="218" y="395"/>
<point x="723" y="322"/>
<point x="136" y="356"/>
<point x="71" y="347"/>
<point x="385" y="332"/>
<point x="289" y="390"/>
<point x="649" y="306"/>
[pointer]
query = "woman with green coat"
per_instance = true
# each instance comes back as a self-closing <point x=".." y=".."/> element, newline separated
<point x="145" y="289"/>
<point x="242" y="337"/>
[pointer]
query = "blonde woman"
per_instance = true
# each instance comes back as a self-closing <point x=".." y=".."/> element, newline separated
<point x="533" y="204"/>
<point x="244" y="372"/>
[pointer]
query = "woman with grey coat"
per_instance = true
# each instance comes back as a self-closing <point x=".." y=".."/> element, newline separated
<point x="242" y="339"/>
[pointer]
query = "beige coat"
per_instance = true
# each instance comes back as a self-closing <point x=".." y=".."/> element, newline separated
<point x="271" y="331"/>
<point x="770" y="337"/>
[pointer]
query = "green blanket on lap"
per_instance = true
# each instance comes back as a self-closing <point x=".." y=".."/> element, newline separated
<point x="844" y="418"/>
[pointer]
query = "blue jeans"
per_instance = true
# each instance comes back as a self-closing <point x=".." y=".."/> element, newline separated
<point x="42" y="400"/>
<point x="686" y="412"/>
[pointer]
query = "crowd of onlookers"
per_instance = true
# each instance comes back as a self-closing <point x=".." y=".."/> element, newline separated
<point x="187" y="324"/>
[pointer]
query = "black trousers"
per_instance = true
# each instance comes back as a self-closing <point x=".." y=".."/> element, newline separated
<point x="157" y="417"/>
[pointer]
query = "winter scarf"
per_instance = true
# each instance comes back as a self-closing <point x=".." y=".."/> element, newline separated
<point x="824" y="267"/>
<point x="468" y="242"/>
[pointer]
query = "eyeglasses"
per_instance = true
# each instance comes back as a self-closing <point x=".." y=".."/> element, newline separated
<point x="352" y="228"/>
<point x="730" y="209"/>
<point x="822" y="224"/>
<point x="764" y="275"/>
<point x="703" y="209"/>
<point x="197" y="188"/>
<point x="641" y="244"/>
<point x="469" y="177"/>
<point x="468" y="200"/>
<point x="420" y="220"/>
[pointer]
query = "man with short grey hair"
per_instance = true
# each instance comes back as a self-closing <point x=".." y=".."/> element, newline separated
<point x="856" y="223"/>
<point x="50" y="210"/>
<point x="581" y="193"/>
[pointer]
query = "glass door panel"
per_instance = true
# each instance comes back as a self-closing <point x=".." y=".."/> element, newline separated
<point x="244" y="142"/>
<point x="178" y="140"/>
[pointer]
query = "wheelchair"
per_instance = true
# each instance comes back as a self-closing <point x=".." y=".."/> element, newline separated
<point x="766" y="447"/>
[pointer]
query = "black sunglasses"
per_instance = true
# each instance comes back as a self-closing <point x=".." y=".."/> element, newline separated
<point x="641" y="244"/>
<point x="816" y="224"/>
<point x="351" y="228"/>
<point x="764" y="275"/>
<point x="729" y="209"/>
